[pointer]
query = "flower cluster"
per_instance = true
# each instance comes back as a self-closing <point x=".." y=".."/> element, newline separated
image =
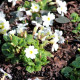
<point x="27" y="46"/>
<point x="45" y="34"/>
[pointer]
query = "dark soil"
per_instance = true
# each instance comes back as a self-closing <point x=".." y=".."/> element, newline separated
<point x="62" y="57"/>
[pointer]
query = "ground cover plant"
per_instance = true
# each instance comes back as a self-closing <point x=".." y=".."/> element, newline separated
<point x="39" y="39"/>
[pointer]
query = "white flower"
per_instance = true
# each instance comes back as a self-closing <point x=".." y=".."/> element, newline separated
<point x="35" y="7"/>
<point x="58" y="2"/>
<point x="37" y="24"/>
<point x="59" y="33"/>
<point x="4" y="26"/>
<point x="22" y="9"/>
<point x="12" y="32"/>
<point x="21" y="28"/>
<point x="28" y="12"/>
<point x="62" y="9"/>
<point x="6" y="74"/>
<point x="20" y="15"/>
<point x="14" y="2"/>
<point x="29" y="79"/>
<point x="31" y="52"/>
<point x="2" y="15"/>
<point x="37" y="78"/>
<point x="54" y="47"/>
<point x="60" y="37"/>
<point x="55" y="39"/>
<point x="48" y="19"/>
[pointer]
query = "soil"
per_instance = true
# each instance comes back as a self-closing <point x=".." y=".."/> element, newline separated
<point x="65" y="54"/>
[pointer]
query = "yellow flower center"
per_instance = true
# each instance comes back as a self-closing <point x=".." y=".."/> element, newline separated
<point x="5" y="74"/>
<point x="1" y="25"/>
<point x="61" y="8"/>
<point x="35" y="7"/>
<point x="31" y="52"/>
<point x="48" y="19"/>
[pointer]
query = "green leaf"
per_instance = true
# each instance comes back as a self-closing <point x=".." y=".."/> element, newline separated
<point x="37" y="67"/>
<point x="78" y="27"/>
<point x="65" y="71"/>
<point x="15" y="60"/>
<point x="21" y="42"/>
<point x="62" y="19"/>
<point x="30" y="69"/>
<point x="74" y="16"/>
<point x="8" y="50"/>
<point x="34" y="15"/>
<point x="6" y="38"/>
<point x="30" y="40"/>
<point x="27" y="4"/>
<point x="42" y="4"/>
<point x="0" y="41"/>
<point x="72" y="77"/>
<point x="73" y="20"/>
<point x="15" y="40"/>
<point x="75" y="64"/>
<point x="78" y="19"/>
<point x="78" y="58"/>
<point x="31" y="63"/>
<point x="75" y="31"/>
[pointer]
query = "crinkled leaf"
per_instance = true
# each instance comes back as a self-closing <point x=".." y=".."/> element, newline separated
<point x="27" y="4"/>
<point x="6" y="38"/>
<point x="8" y="50"/>
<point x="37" y="67"/>
<point x="15" y="40"/>
<point x="72" y="77"/>
<point x="75" y="64"/>
<point x="31" y="64"/>
<point x="30" y="69"/>
<point x="65" y="71"/>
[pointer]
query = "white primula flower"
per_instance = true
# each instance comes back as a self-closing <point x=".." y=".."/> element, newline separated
<point x="21" y="28"/>
<point x="13" y="2"/>
<point x="59" y="33"/>
<point x="22" y="9"/>
<point x="55" y="38"/>
<point x="35" y="7"/>
<point x="54" y="47"/>
<point x="28" y="12"/>
<point x="37" y="24"/>
<point x="29" y="79"/>
<point x="37" y="78"/>
<point x="62" y="9"/>
<point x="58" y="2"/>
<point x="20" y="15"/>
<point x="12" y="32"/>
<point x="4" y="26"/>
<point x="48" y="19"/>
<point x="2" y="15"/>
<point x="5" y="74"/>
<point x="60" y="37"/>
<point x="31" y="52"/>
